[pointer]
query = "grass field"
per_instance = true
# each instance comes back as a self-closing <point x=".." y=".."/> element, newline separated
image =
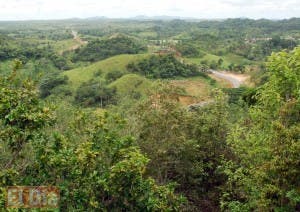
<point x="64" y="45"/>
<point x="221" y="83"/>
<point x="6" y="66"/>
<point x="130" y="83"/>
<point x="147" y="34"/>
<point x="233" y="58"/>
<point x="84" y="74"/>
<point x="227" y="59"/>
<point x="197" y="90"/>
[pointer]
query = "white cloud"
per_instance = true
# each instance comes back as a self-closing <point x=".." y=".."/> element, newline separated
<point x="56" y="9"/>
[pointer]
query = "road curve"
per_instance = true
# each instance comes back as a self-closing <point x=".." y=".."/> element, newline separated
<point x="235" y="81"/>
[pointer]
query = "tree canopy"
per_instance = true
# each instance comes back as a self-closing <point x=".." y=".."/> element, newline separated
<point x="101" y="49"/>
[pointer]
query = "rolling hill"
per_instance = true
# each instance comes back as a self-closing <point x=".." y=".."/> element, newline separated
<point x="84" y="74"/>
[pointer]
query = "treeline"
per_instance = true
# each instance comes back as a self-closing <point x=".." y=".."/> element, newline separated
<point x="95" y="93"/>
<point x="166" y="66"/>
<point x="101" y="49"/>
<point x="260" y="49"/>
<point x="49" y="85"/>
<point x="188" y="50"/>
<point x="12" y="49"/>
<point x="34" y="30"/>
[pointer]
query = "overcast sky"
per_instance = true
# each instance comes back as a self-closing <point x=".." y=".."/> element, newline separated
<point x="59" y="9"/>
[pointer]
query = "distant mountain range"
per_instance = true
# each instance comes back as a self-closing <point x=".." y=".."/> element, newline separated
<point x="155" y="18"/>
<point x="162" y="17"/>
<point x="143" y="17"/>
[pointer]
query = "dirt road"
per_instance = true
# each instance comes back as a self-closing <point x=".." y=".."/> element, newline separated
<point x="236" y="80"/>
<point x="79" y="43"/>
<point x="77" y="38"/>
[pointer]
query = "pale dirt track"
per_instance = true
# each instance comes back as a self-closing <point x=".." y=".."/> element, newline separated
<point x="236" y="80"/>
<point x="78" y="40"/>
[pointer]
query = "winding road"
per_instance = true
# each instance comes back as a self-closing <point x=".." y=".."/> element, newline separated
<point x="77" y="38"/>
<point x="235" y="80"/>
<point x="79" y="43"/>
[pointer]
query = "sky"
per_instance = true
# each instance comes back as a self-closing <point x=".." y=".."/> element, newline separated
<point x="203" y="9"/>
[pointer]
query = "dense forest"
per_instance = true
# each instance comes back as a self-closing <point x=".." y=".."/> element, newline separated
<point x="163" y="67"/>
<point x="146" y="115"/>
<point x="101" y="49"/>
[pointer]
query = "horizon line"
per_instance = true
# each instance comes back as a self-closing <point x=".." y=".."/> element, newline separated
<point x="144" y="17"/>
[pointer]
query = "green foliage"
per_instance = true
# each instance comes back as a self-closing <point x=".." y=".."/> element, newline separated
<point x="95" y="93"/>
<point x="101" y="49"/>
<point x="113" y="75"/>
<point x="285" y="74"/>
<point x="60" y="62"/>
<point x="188" y="50"/>
<point x="185" y="147"/>
<point x="276" y="44"/>
<point x="76" y="76"/>
<point x="163" y="67"/>
<point x="236" y="68"/>
<point x="12" y="49"/>
<point x="213" y="65"/>
<point x="248" y="95"/>
<point x="265" y="173"/>
<point x="94" y="167"/>
<point x="20" y="110"/>
<point x="259" y="49"/>
<point x="231" y="157"/>
<point x="22" y="118"/>
<point x="220" y="62"/>
<point x="131" y="86"/>
<point x="51" y="81"/>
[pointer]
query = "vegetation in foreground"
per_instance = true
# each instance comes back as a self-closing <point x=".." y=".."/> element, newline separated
<point x="112" y="135"/>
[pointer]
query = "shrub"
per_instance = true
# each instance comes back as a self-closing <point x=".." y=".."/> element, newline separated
<point x="50" y="82"/>
<point x="113" y="75"/>
<point x="95" y="93"/>
<point x="166" y="66"/>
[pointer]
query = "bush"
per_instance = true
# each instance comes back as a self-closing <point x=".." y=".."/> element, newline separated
<point x="166" y="66"/>
<point x="113" y="75"/>
<point x="101" y="49"/>
<point x="95" y="93"/>
<point x="213" y="65"/>
<point x="98" y="73"/>
<point x="63" y="91"/>
<point x="94" y="167"/>
<point x="51" y="81"/>
<point x="188" y="50"/>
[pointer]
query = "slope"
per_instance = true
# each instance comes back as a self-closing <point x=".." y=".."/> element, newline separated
<point x="84" y="74"/>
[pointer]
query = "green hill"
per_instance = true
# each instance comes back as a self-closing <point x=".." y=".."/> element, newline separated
<point x="130" y="83"/>
<point x="227" y="59"/>
<point x="84" y="74"/>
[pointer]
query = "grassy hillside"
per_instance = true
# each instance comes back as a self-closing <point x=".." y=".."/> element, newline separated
<point x="64" y="45"/>
<point x="130" y="83"/>
<point x="6" y="66"/>
<point x="227" y="59"/>
<point x="197" y="90"/>
<point x="83" y="74"/>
